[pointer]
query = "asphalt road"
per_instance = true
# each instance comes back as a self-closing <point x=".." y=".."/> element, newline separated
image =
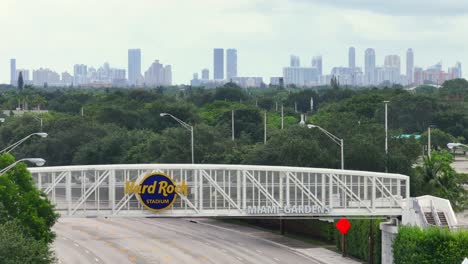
<point x="144" y="240"/>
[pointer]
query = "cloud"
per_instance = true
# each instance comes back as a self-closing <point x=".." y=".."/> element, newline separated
<point x="400" y="7"/>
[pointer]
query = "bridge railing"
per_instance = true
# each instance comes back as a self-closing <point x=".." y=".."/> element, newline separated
<point x="225" y="190"/>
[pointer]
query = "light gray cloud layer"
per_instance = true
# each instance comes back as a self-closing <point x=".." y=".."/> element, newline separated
<point x="400" y="7"/>
<point x="60" y="33"/>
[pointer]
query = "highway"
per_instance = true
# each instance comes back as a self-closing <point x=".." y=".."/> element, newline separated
<point x="151" y="240"/>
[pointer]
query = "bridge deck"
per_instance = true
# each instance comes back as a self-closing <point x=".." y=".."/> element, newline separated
<point x="226" y="191"/>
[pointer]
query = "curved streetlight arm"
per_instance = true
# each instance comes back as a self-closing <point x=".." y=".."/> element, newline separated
<point x="334" y="138"/>
<point x="337" y="140"/>
<point x="187" y="126"/>
<point x="38" y="162"/>
<point x="16" y="144"/>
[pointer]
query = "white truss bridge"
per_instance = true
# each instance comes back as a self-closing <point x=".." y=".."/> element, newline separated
<point x="225" y="191"/>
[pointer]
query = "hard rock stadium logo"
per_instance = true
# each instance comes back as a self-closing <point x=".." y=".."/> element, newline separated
<point x="156" y="191"/>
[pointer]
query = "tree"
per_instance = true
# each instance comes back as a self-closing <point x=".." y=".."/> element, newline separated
<point x="20" y="81"/>
<point x="21" y="200"/>
<point x="17" y="247"/>
<point x="436" y="176"/>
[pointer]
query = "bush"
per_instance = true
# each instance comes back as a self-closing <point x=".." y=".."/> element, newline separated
<point x="433" y="245"/>
<point x="17" y="247"/>
<point x="357" y="240"/>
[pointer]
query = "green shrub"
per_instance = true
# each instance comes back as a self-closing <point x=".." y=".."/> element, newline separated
<point x="433" y="245"/>
<point x="357" y="240"/>
<point x="17" y="247"/>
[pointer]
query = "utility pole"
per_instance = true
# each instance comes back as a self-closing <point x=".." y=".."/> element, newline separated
<point x="386" y="135"/>
<point x="429" y="141"/>
<point x="282" y="117"/>
<point x="265" y="129"/>
<point x="232" y="124"/>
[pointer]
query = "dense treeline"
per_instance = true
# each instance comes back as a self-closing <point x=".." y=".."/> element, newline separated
<point x="106" y="126"/>
<point x="124" y="125"/>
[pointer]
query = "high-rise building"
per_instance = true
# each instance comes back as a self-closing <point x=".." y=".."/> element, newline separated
<point x="352" y="58"/>
<point x="158" y="74"/>
<point x="168" y="75"/>
<point x="300" y="76"/>
<point x="134" y="66"/>
<point x="410" y="66"/>
<point x="80" y="73"/>
<point x="369" y="66"/>
<point x="231" y="63"/>
<point x="218" y="64"/>
<point x="13" y="80"/>
<point x="393" y="61"/>
<point x="205" y="73"/>
<point x="67" y="79"/>
<point x="458" y="65"/>
<point x="46" y="77"/>
<point x="295" y="61"/>
<point x="317" y="63"/>
<point x="25" y="74"/>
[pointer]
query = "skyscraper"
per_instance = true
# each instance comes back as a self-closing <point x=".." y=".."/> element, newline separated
<point x="317" y="63"/>
<point x="205" y="73"/>
<point x="134" y="66"/>
<point x="218" y="64"/>
<point x="80" y="74"/>
<point x="295" y="61"/>
<point x="231" y="63"/>
<point x="410" y="66"/>
<point x="458" y="65"/>
<point x="352" y="58"/>
<point x="13" y="80"/>
<point x="369" y="65"/>
<point x="393" y="61"/>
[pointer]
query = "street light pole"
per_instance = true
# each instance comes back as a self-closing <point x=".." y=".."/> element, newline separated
<point x="37" y="161"/>
<point x="17" y="143"/>
<point x="282" y="117"/>
<point x="386" y="135"/>
<point x="232" y="124"/>
<point x="186" y="126"/>
<point x="265" y="129"/>
<point x="429" y="141"/>
<point x="337" y="140"/>
<point x="191" y="135"/>
<point x="38" y="119"/>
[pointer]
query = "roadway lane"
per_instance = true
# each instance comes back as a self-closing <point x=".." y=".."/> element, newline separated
<point x="144" y="240"/>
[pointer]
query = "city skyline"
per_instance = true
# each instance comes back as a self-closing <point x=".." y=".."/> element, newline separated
<point x="265" y="33"/>
<point x="225" y="68"/>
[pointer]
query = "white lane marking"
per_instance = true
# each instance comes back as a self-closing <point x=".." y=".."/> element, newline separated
<point x="223" y="250"/>
<point x="239" y="258"/>
<point x="258" y="251"/>
<point x="276" y="259"/>
<point x="240" y="244"/>
<point x="65" y="238"/>
<point x="96" y="259"/>
<point x="76" y="245"/>
<point x="87" y="252"/>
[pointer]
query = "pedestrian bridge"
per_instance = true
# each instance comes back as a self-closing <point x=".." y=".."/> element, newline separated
<point x="226" y="191"/>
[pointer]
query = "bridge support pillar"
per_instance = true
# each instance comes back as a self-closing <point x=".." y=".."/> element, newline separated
<point x="389" y="231"/>
<point x="282" y="226"/>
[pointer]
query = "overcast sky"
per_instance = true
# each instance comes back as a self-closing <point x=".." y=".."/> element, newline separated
<point x="59" y="33"/>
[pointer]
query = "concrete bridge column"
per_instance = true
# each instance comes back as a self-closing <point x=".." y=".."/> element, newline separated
<point x="389" y="231"/>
